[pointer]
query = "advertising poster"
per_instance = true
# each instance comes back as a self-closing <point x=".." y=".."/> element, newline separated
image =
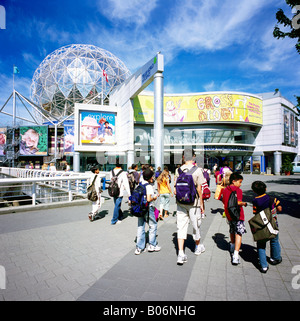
<point x="201" y="108"/>
<point x="292" y="119"/>
<point x="68" y="139"/>
<point x="34" y="140"/>
<point x="2" y="140"/>
<point x="97" y="127"/>
<point x="286" y="127"/>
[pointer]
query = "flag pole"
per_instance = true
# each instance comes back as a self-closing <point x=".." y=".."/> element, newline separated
<point x="14" y="98"/>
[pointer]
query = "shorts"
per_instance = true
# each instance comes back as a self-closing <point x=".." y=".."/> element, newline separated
<point x="165" y="201"/>
<point x="237" y="227"/>
<point x="186" y="214"/>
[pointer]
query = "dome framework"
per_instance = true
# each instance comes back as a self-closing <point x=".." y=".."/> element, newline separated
<point x="76" y="73"/>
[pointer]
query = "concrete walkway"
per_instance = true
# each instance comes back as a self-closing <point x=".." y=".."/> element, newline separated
<point x="58" y="254"/>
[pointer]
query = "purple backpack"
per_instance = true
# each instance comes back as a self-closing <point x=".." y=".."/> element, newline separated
<point x="186" y="192"/>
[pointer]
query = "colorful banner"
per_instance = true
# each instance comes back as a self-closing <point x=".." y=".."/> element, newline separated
<point x="286" y="127"/>
<point x="2" y="140"/>
<point x="68" y="139"/>
<point x="217" y="107"/>
<point x="34" y="140"/>
<point x="97" y="127"/>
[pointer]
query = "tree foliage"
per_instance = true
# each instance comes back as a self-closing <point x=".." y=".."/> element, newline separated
<point x="293" y="33"/>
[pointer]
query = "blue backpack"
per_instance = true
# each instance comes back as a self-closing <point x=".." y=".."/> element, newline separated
<point x="186" y="191"/>
<point x="139" y="205"/>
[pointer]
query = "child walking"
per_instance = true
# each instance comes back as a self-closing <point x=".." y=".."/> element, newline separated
<point x="150" y="219"/>
<point x="261" y="202"/>
<point x="236" y="228"/>
<point x="164" y="191"/>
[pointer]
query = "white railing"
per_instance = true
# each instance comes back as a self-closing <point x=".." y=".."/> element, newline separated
<point x="41" y="186"/>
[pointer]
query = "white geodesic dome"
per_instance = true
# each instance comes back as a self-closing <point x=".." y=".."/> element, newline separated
<point x="76" y="73"/>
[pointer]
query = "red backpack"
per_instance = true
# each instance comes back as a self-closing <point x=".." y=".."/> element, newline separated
<point x="205" y="191"/>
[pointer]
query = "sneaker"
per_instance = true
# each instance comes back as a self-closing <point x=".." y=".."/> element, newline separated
<point x="181" y="259"/>
<point x="235" y="260"/>
<point x="263" y="270"/>
<point x="275" y="262"/>
<point x="199" y="249"/>
<point x="138" y="251"/>
<point x="91" y="216"/>
<point x="152" y="248"/>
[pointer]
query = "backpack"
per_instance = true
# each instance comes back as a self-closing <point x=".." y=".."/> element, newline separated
<point x="206" y="175"/>
<point x="138" y="199"/>
<point x="157" y="173"/>
<point x="233" y="207"/>
<point x="131" y="181"/>
<point x="186" y="191"/>
<point x="113" y="188"/>
<point x="205" y="191"/>
<point x="92" y="194"/>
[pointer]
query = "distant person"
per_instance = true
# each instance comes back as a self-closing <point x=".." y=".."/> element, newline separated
<point x="261" y="202"/>
<point x="149" y="218"/>
<point x="52" y="167"/>
<point x="97" y="183"/>
<point x="164" y="191"/>
<point x="123" y="186"/>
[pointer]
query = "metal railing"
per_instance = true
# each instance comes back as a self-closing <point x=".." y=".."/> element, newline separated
<point x="37" y="186"/>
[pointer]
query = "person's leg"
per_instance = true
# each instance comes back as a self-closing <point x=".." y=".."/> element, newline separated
<point x="275" y="251"/>
<point x="261" y="251"/>
<point x="195" y="218"/>
<point x="182" y="227"/>
<point x="152" y="227"/>
<point x="117" y="201"/>
<point x="140" y="239"/>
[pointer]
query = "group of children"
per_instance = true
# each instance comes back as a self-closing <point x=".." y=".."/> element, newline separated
<point x="237" y="228"/>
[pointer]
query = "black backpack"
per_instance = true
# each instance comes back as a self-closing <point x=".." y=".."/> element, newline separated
<point x="233" y="208"/>
<point x="113" y="188"/>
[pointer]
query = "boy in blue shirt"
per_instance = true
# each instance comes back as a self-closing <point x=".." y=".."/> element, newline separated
<point x="261" y="202"/>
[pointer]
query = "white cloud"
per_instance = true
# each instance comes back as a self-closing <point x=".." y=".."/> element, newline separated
<point x="128" y="11"/>
<point x="211" y="25"/>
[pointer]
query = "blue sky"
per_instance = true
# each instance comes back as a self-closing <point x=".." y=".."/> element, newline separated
<point x="208" y="45"/>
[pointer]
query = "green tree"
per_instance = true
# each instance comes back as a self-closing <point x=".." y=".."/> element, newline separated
<point x="294" y="33"/>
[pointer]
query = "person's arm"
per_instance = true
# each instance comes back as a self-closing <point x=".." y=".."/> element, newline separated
<point x="169" y="187"/>
<point x="277" y="205"/>
<point x="239" y="194"/>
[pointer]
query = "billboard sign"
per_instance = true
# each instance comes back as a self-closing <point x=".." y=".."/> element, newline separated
<point x="34" y="140"/>
<point x="193" y="108"/>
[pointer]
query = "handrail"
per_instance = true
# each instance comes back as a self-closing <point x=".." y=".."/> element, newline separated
<point x="45" y="177"/>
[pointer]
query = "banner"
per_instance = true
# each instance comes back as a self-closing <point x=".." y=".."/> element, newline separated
<point x="34" y="140"/>
<point x="68" y="139"/>
<point x="286" y="127"/>
<point x="2" y="140"/>
<point x="97" y="127"/>
<point x="218" y="107"/>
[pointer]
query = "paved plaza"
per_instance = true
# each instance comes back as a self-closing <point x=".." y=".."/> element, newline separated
<point x="57" y="254"/>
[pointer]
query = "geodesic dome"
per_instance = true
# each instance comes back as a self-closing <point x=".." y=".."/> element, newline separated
<point x="76" y="73"/>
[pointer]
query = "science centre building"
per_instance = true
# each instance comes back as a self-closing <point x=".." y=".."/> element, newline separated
<point x="100" y="113"/>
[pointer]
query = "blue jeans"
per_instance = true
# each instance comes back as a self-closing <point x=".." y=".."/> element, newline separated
<point x="117" y="210"/>
<point x="275" y="250"/>
<point x="141" y="238"/>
